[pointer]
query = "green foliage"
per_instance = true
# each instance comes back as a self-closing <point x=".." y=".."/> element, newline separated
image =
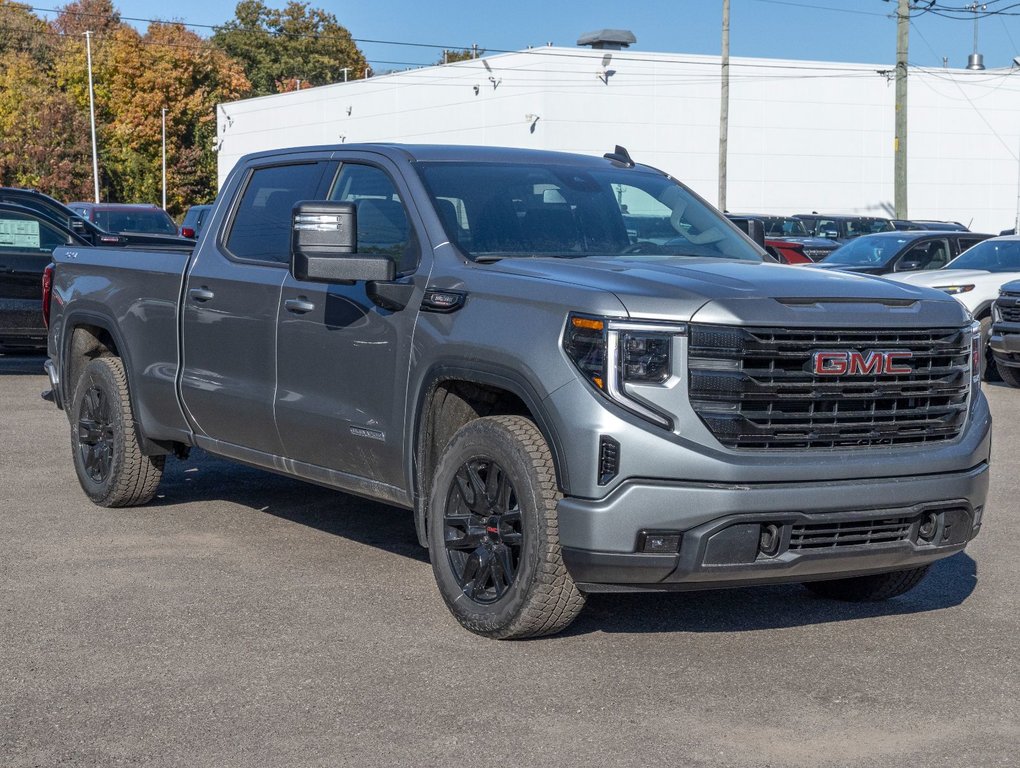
<point x="449" y="57"/>
<point x="279" y="47"/>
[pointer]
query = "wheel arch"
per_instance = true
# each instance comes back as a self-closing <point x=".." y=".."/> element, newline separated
<point x="455" y="393"/>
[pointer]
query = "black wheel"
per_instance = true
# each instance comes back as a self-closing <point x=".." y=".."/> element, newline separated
<point x="493" y="535"/>
<point x="865" y="589"/>
<point x="109" y="462"/>
<point x="1009" y="375"/>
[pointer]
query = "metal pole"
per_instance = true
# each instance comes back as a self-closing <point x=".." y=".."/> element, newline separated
<point x="92" y="115"/>
<point x="724" y="104"/>
<point x="164" y="158"/>
<point x="900" y="146"/>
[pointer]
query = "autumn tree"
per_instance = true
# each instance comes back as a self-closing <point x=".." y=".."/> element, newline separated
<point x="279" y="47"/>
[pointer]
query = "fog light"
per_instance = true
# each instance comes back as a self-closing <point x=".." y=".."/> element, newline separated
<point x="928" y="528"/>
<point x="659" y="542"/>
<point x="769" y="539"/>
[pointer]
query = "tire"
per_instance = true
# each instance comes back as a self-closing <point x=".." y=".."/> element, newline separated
<point x="867" y="589"/>
<point x="108" y="459"/>
<point x="493" y="532"/>
<point x="1009" y="375"/>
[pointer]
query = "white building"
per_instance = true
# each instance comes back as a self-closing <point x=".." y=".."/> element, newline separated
<point x="803" y="135"/>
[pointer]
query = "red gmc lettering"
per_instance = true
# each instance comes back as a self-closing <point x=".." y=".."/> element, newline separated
<point x="854" y="363"/>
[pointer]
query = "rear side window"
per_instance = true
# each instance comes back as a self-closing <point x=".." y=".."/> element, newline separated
<point x="22" y="233"/>
<point x="261" y="227"/>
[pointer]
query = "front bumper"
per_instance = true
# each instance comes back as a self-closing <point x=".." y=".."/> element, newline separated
<point x="720" y="527"/>
<point x="1004" y="342"/>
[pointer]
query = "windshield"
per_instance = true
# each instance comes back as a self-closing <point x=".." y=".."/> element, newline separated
<point x="990" y="256"/>
<point x="495" y="210"/>
<point x="148" y="220"/>
<point x="777" y="226"/>
<point x="867" y="251"/>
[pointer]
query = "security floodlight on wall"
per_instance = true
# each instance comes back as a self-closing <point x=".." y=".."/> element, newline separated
<point x="533" y="119"/>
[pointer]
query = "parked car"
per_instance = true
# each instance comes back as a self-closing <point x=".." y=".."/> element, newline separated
<point x="843" y="227"/>
<point x="59" y="214"/>
<point x="124" y="218"/>
<point x="193" y="220"/>
<point x="929" y="225"/>
<point x="887" y="252"/>
<point x="27" y="240"/>
<point x="974" y="278"/>
<point x="791" y="239"/>
<point x="1004" y="340"/>
<point x="567" y="399"/>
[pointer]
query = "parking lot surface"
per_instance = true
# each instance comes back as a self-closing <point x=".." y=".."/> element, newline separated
<point x="245" y="619"/>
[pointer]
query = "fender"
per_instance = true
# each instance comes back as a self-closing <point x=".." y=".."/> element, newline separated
<point x="477" y="372"/>
<point x="78" y="317"/>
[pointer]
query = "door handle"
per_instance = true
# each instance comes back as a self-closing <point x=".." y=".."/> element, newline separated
<point x="298" y="306"/>
<point x="201" y="294"/>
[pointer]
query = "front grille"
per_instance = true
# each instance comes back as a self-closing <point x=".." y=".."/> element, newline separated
<point x="857" y="533"/>
<point x="1009" y="308"/>
<point x="755" y="389"/>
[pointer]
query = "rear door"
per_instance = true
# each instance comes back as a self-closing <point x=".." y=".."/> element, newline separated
<point x="26" y="247"/>
<point x="230" y="303"/>
<point x="343" y="360"/>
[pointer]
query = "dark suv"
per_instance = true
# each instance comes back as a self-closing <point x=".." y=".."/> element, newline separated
<point x="843" y="227"/>
<point x="886" y="252"/>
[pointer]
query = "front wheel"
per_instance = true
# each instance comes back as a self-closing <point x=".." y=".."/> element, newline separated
<point x="1010" y="376"/>
<point x="493" y="533"/>
<point x="867" y="589"/>
<point x="108" y="459"/>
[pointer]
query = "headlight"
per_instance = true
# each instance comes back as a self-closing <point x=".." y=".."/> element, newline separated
<point x="952" y="290"/>
<point x="611" y="354"/>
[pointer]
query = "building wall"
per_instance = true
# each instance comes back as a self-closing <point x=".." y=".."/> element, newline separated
<point x="803" y="135"/>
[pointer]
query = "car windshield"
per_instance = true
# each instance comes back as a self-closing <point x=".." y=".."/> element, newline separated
<point x="148" y="220"/>
<point x="778" y="226"/>
<point x="990" y="256"/>
<point x="867" y="251"/>
<point x="497" y="210"/>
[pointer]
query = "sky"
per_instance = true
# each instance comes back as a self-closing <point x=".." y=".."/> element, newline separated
<point x="861" y="31"/>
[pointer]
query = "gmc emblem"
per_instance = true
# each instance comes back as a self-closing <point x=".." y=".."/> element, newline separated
<point x="854" y="363"/>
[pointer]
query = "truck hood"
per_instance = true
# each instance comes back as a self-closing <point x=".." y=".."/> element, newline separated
<point x="677" y="288"/>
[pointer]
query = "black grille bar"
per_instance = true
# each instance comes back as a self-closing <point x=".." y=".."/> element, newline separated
<point x="755" y="388"/>
<point x="851" y="534"/>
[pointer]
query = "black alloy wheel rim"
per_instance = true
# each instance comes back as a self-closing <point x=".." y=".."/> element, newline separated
<point x="95" y="434"/>
<point x="484" y="533"/>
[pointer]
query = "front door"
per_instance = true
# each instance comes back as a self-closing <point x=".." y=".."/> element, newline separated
<point x="342" y="360"/>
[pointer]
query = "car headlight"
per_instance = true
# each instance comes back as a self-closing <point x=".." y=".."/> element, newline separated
<point x="611" y="354"/>
<point x="953" y="290"/>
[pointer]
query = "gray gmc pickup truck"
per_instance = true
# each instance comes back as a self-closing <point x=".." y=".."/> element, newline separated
<point x="575" y="372"/>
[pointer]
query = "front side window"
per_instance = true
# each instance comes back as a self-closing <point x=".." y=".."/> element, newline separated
<point x="383" y="228"/>
<point x="261" y="227"/>
<point x="500" y="210"/>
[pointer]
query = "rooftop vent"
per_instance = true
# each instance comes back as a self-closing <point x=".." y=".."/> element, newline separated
<point x="975" y="61"/>
<point x="608" y="39"/>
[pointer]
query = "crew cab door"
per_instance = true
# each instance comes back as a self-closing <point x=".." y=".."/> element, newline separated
<point x="230" y="302"/>
<point x="343" y="360"/>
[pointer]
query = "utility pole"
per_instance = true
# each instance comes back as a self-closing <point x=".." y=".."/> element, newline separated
<point x="900" y="146"/>
<point x="164" y="157"/>
<point x="92" y="115"/>
<point x="724" y="104"/>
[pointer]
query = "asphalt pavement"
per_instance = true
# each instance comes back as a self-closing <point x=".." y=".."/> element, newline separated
<point x="246" y="619"/>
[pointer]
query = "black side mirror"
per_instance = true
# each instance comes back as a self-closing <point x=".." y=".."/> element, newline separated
<point x="324" y="245"/>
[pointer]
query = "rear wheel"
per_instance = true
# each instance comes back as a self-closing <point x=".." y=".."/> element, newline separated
<point x="108" y="459"/>
<point x="863" y="589"/>
<point x="493" y="533"/>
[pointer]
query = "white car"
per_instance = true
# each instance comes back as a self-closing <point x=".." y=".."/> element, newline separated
<point x="974" y="277"/>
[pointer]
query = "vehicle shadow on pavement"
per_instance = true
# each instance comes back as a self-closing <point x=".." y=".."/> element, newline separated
<point x="22" y="364"/>
<point x="746" y="609"/>
<point x="206" y="478"/>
